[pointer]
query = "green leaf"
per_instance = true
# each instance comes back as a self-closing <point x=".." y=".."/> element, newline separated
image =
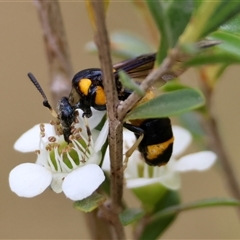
<point x="230" y="43"/>
<point x="218" y="58"/>
<point x="173" y="85"/>
<point x="150" y="194"/>
<point x="130" y="215"/>
<point x="124" y="45"/>
<point x="168" y="104"/>
<point x="200" y="18"/>
<point x="228" y="52"/>
<point x="162" y="219"/>
<point x="170" y="198"/>
<point x="90" y="203"/>
<point x="195" y="205"/>
<point x="179" y="14"/>
<point x="232" y="26"/>
<point x="159" y="16"/>
<point x="225" y="11"/>
<point x="128" y="83"/>
<point x="171" y="18"/>
<point x="156" y="228"/>
<point x="209" y="16"/>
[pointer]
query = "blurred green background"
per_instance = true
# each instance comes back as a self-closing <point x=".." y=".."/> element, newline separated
<point x="50" y="215"/>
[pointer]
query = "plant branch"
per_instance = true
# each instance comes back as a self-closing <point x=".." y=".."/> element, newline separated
<point x="56" y="46"/>
<point x="154" y="76"/>
<point x="98" y="227"/>
<point x="216" y="144"/>
<point x="115" y="131"/>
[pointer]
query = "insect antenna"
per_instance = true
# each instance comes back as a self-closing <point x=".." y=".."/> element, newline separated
<point x="39" y="88"/>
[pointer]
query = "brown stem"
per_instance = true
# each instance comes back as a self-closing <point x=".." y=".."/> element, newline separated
<point x="56" y="46"/>
<point x="98" y="226"/>
<point x="216" y="144"/>
<point x="115" y="126"/>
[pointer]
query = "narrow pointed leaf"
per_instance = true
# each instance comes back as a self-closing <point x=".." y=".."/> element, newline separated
<point x="155" y="229"/>
<point x="232" y="26"/>
<point x="90" y="203"/>
<point x="195" y="205"/>
<point x="218" y="58"/>
<point x="159" y="15"/>
<point x="179" y="14"/>
<point x="228" y="52"/>
<point x="128" y="83"/>
<point x="171" y="18"/>
<point x="230" y="42"/>
<point x="209" y="16"/>
<point x="225" y="11"/>
<point x="173" y="86"/>
<point x="130" y="215"/>
<point x="200" y="18"/>
<point x="168" y="104"/>
<point x="162" y="219"/>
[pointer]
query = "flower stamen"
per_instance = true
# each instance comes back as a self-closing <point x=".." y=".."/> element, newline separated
<point x="62" y="158"/>
<point x="52" y="139"/>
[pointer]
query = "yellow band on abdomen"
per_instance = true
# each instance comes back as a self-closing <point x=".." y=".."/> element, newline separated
<point x="153" y="151"/>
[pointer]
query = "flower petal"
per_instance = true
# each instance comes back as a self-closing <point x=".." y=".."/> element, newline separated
<point x="134" y="162"/>
<point x="95" y="119"/>
<point x="95" y="158"/>
<point x="139" y="182"/>
<point x="102" y="137"/>
<point x="106" y="161"/>
<point x="57" y="181"/>
<point x="197" y="161"/>
<point x="136" y="158"/>
<point x="129" y="139"/>
<point x="171" y="180"/>
<point x="29" y="141"/>
<point x="95" y="133"/>
<point x="182" y="139"/>
<point x="82" y="182"/>
<point x="167" y="175"/>
<point x="29" y="179"/>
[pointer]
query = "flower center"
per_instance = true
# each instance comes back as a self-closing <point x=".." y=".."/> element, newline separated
<point x="61" y="156"/>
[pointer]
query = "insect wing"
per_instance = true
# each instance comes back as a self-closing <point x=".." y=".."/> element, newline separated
<point x="138" y="67"/>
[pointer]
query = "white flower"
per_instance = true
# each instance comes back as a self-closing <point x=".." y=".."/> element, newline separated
<point x="71" y="168"/>
<point x="139" y="174"/>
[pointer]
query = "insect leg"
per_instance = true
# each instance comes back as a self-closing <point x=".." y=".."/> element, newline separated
<point x="138" y="131"/>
